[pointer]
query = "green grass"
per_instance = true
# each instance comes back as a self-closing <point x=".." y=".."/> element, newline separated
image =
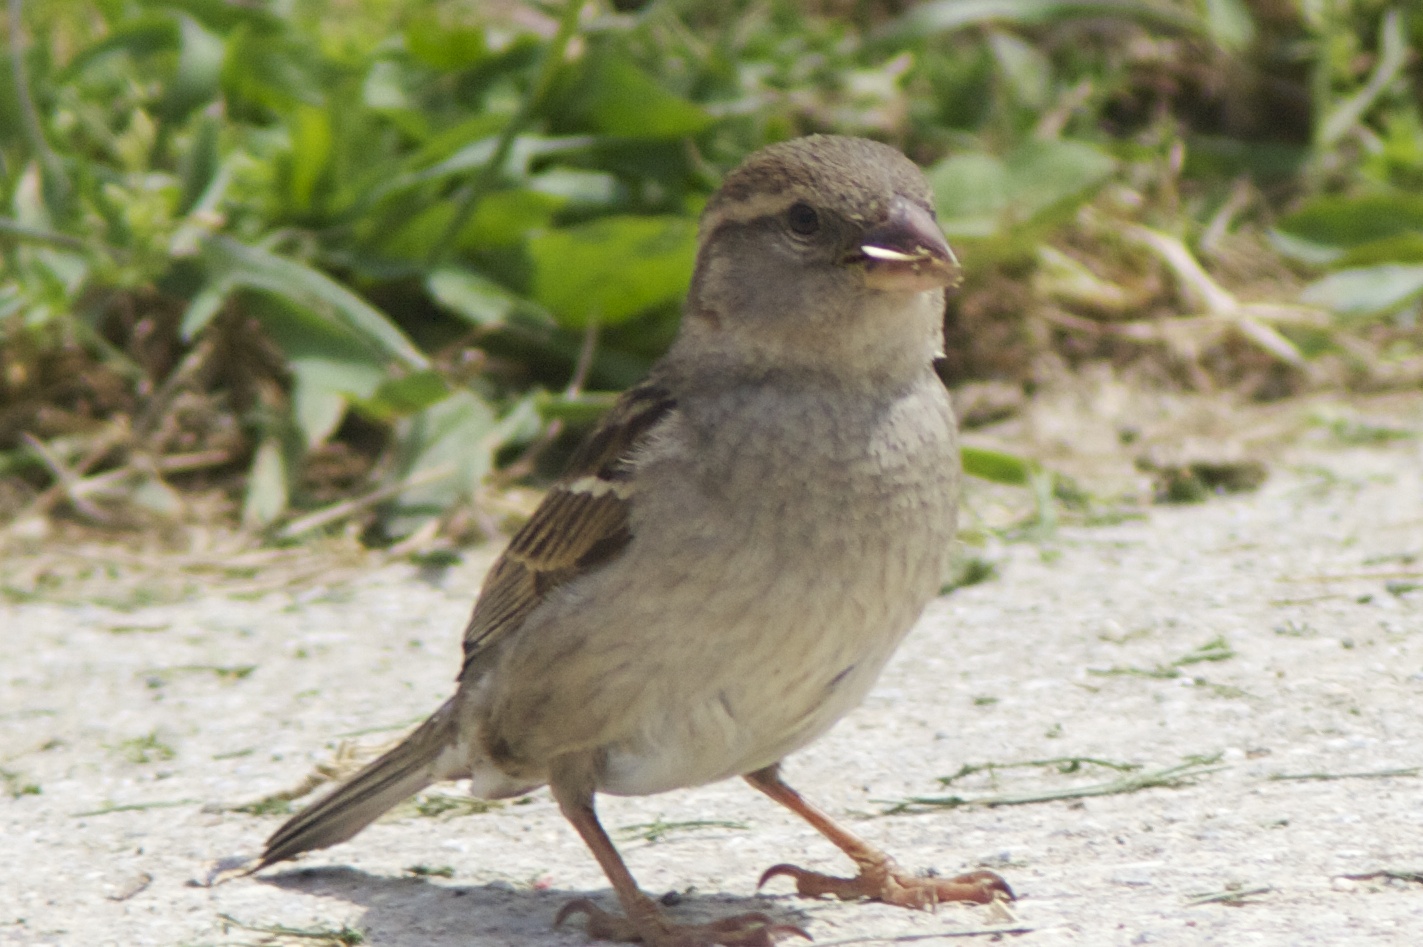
<point x="342" y="263"/>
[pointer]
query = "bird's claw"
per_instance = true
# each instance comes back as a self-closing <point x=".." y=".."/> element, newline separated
<point x="890" y="884"/>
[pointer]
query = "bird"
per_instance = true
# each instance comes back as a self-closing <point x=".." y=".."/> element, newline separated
<point x="734" y="552"/>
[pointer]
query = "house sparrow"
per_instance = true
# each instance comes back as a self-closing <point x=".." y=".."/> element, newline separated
<point x="734" y="553"/>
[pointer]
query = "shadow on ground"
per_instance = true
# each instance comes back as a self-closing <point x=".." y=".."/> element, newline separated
<point x="419" y="912"/>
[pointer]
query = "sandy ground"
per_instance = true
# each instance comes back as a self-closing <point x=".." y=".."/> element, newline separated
<point x="1277" y="633"/>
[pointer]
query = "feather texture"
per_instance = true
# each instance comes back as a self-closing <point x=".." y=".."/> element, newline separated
<point x="581" y="523"/>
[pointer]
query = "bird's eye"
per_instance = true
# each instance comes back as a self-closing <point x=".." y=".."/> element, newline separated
<point x="803" y="219"/>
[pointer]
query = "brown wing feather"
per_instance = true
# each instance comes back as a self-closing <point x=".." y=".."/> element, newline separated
<point x="581" y="523"/>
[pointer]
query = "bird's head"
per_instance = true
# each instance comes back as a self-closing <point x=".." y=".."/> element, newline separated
<point x="817" y="250"/>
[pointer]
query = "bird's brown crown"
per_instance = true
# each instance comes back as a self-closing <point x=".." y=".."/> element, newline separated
<point x="853" y="177"/>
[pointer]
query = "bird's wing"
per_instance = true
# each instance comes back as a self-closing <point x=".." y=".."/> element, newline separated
<point x="581" y="523"/>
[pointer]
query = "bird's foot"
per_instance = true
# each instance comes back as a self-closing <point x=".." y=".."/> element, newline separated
<point x="651" y="927"/>
<point x="883" y="880"/>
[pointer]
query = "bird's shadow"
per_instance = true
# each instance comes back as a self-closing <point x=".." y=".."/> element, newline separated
<point x="420" y="912"/>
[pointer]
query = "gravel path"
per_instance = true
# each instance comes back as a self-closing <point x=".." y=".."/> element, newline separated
<point x="1274" y="634"/>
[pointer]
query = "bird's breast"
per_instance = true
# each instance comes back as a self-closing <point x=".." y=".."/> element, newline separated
<point x="809" y="542"/>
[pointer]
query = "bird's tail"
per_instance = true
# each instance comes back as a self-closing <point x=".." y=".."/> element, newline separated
<point x="428" y="755"/>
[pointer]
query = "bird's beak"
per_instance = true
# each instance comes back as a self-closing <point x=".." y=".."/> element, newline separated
<point x="906" y="253"/>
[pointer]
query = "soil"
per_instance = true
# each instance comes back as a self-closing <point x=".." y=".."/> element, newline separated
<point x="1265" y="649"/>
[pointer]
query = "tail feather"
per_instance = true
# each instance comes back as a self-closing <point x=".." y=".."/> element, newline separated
<point x="428" y="755"/>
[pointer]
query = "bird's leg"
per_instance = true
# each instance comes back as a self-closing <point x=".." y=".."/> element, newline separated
<point x="880" y="879"/>
<point x="643" y="920"/>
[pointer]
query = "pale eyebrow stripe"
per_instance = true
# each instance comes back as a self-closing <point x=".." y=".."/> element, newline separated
<point x="762" y="204"/>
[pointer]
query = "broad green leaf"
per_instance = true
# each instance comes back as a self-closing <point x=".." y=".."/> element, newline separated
<point x="1229" y="23"/>
<point x="201" y="165"/>
<point x="330" y="365"/>
<point x="474" y="155"/>
<point x="64" y="271"/>
<point x="970" y="190"/>
<point x="399" y="397"/>
<point x="474" y="298"/>
<point x="324" y="383"/>
<point x="1343" y="222"/>
<point x="1404" y="248"/>
<point x="203" y="307"/>
<point x="324" y="367"/>
<point x="581" y="188"/>
<point x="1303" y="251"/>
<point x="257" y="268"/>
<point x="266" y="498"/>
<point x="1027" y="70"/>
<point x="316" y="409"/>
<point x="1366" y="291"/>
<point x="612" y="268"/>
<point x="505" y="218"/>
<point x="139" y="36"/>
<point x="312" y="140"/>
<point x="979" y="195"/>
<point x="199" y="72"/>
<point x="443" y="45"/>
<point x="455" y="435"/>
<point x="616" y="97"/>
<point x="948" y="15"/>
<point x="384" y="88"/>
<point x="413" y="236"/>
<point x="221" y="16"/>
<point x="997" y="467"/>
<point x="1225" y="157"/>
<point x="1044" y="174"/>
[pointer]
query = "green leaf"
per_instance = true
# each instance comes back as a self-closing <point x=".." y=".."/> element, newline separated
<point x="971" y="190"/>
<point x="1027" y="70"/>
<point x="199" y="72"/>
<point x="950" y="15"/>
<point x="266" y="498"/>
<point x="257" y="268"/>
<point x="384" y="89"/>
<point x="1366" y="291"/>
<point x="443" y="45"/>
<point x="616" y="97"/>
<point x="201" y="163"/>
<point x="1342" y="222"/>
<point x="316" y="408"/>
<point x="330" y="365"/>
<point x="997" y="467"/>
<point x="1229" y="23"/>
<point x="612" y="268"/>
<point x="203" y="307"/>
<point x="476" y="299"/>
<point x="1221" y="156"/>
<point x="323" y="382"/>
<point x="579" y="188"/>
<point x="312" y="140"/>
<point x="505" y="218"/>
<point x="1404" y="248"/>
<point x="980" y="195"/>
<point x="139" y="36"/>
<point x="319" y="364"/>
<point x="454" y="435"/>
<point x="1045" y="174"/>
<point x="399" y="397"/>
